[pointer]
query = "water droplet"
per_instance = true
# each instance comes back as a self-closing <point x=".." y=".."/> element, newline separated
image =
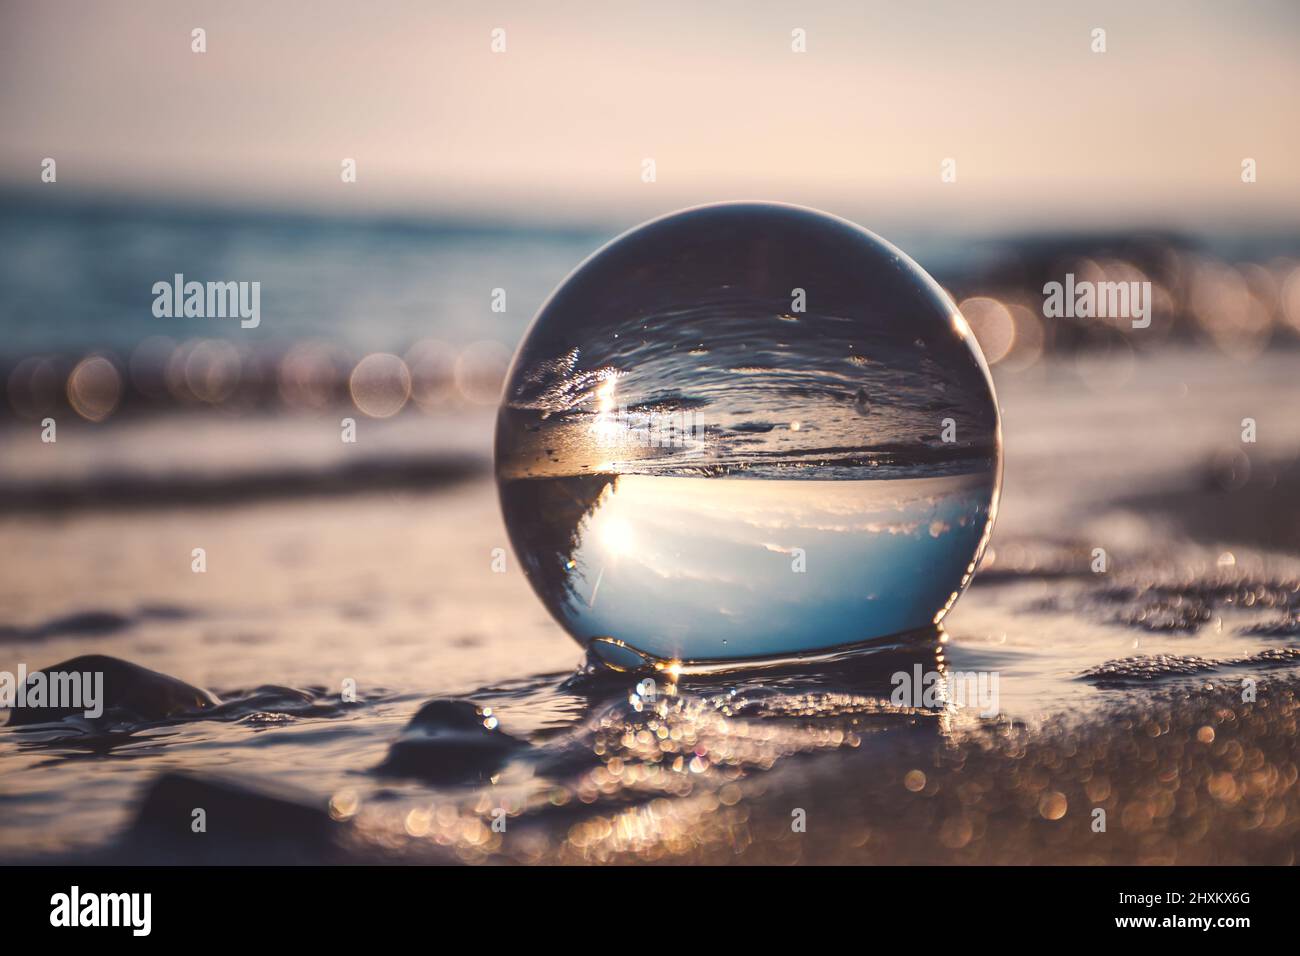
<point x="654" y="498"/>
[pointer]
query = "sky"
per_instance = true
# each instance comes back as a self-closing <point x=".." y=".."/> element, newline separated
<point x="556" y="128"/>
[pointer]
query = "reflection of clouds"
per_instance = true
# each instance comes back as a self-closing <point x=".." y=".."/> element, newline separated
<point x="906" y="527"/>
<point x="899" y="506"/>
<point x="702" y="568"/>
<point x="712" y="530"/>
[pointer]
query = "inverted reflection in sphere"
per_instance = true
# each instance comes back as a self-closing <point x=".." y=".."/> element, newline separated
<point x="748" y="430"/>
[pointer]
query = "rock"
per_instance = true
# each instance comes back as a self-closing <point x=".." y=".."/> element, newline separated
<point x="128" y="691"/>
<point x="244" y="820"/>
<point x="450" y="742"/>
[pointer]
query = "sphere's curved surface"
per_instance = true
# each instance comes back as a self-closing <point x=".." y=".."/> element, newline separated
<point x="748" y="430"/>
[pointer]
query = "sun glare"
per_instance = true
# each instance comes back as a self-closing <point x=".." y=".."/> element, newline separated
<point x="617" y="536"/>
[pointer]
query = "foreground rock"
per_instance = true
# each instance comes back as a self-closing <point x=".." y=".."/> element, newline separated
<point x="193" y="818"/>
<point x="450" y="742"/>
<point x="128" y="692"/>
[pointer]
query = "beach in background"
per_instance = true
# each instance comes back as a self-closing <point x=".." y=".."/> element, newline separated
<point x="364" y="678"/>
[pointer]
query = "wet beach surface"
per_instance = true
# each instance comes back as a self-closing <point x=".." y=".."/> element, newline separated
<point x="1120" y="691"/>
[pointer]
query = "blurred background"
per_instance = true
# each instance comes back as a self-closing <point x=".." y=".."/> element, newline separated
<point x="478" y="171"/>
<point x="481" y="179"/>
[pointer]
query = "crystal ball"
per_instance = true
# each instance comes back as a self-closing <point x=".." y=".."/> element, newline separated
<point x="747" y="431"/>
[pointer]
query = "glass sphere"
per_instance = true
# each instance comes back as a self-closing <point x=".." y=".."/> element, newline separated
<point x="747" y="431"/>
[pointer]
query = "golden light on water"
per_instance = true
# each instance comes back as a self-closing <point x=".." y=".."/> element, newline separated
<point x="94" y="388"/>
<point x="605" y="396"/>
<point x="606" y="426"/>
<point x="419" y="821"/>
<point x="1052" y="805"/>
<point x="344" y="805"/>
<point x="685" y="781"/>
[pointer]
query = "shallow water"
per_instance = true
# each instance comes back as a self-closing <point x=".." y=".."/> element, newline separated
<point x="1119" y="691"/>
